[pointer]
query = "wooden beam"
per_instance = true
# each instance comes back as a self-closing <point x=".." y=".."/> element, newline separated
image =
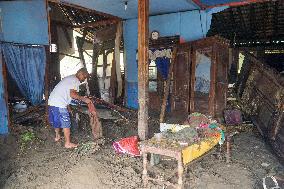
<point x="62" y="24"/>
<point x="104" y="68"/>
<point x="167" y="88"/>
<point x="97" y="23"/>
<point x="83" y="8"/>
<point x="70" y="55"/>
<point x="143" y="83"/>
<point x="117" y="59"/>
<point x="80" y="43"/>
<point x="46" y="83"/>
<point x="88" y="54"/>
<point x="67" y="36"/>
<point x="95" y="88"/>
<point x="212" y="90"/>
<point x="5" y="84"/>
<point x="234" y="4"/>
<point x="113" y="81"/>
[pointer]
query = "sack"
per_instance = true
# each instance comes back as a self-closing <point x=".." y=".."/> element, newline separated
<point x="127" y="146"/>
<point x="233" y="117"/>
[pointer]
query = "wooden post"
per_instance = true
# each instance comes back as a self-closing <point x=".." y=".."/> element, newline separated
<point x="212" y="91"/>
<point x="94" y="84"/>
<point x="144" y="174"/>
<point x="46" y="82"/>
<point x="167" y="88"/>
<point x="180" y="172"/>
<point x="5" y="83"/>
<point x="117" y="58"/>
<point x="104" y="68"/>
<point x="80" y="42"/>
<point x="143" y="85"/>
<point x="113" y="81"/>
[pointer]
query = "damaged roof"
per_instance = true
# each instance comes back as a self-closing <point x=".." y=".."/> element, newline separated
<point x="127" y="9"/>
<point x="83" y="19"/>
<point x="253" y="24"/>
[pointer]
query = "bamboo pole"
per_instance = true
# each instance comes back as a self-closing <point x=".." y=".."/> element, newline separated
<point x="167" y="88"/>
<point x="143" y="85"/>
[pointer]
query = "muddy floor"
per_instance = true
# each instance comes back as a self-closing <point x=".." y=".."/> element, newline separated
<point x="42" y="163"/>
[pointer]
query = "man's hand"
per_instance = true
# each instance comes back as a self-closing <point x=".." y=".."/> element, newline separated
<point x="92" y="109"/>
<point x="87" y="100"/>
<point x="70" y="110"/>
<point x="75" y="95"/>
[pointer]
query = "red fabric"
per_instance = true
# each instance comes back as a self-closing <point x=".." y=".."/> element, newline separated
<point x="92" y="108"/>
<point x="128" y="145"/>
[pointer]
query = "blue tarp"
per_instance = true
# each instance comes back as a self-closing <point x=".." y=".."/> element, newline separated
<point x="26" y="64"/>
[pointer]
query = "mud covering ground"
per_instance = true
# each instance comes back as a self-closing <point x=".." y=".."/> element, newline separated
<point x="43" y="163"/>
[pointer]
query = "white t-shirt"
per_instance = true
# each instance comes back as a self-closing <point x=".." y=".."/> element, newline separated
<point x="60" y="96"/>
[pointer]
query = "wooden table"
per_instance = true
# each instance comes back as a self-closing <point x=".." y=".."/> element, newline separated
<point x="173" y="152"/>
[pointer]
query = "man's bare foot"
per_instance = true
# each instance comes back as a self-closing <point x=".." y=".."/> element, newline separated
<point x="71" y="145"/>
<point x="57" y="139"/>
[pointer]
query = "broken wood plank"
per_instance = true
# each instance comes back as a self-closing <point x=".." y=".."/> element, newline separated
<point x="97" y="23"/>
<point x="110" y="105"/>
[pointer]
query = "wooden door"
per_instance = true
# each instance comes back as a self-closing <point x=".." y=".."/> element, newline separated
<point x="222" y="60"/>
<point x="202" y="79"/>
<point x="181" y="79"/>
<point x="209" y="76"/>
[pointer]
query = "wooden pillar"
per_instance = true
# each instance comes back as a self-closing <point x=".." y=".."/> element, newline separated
<point x="54" y="67"/>
<point x="5" y="85"/>
<point x="113" y="81"/>
<point x="80" y="42"/>
<point x="143" y="84"/>
<point x="212" y="91"/>
<point x="104" y="69"/>
<point x="46" y="82"/>
<point x="117" y="58"/>
<point x="94" y="82"/>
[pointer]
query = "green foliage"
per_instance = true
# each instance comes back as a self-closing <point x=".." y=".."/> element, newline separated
<point x="26" y="139"/>
<point x="27" y="136"/>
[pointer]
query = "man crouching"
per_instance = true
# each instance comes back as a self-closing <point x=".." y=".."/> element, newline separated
<point x="61" y="96"/>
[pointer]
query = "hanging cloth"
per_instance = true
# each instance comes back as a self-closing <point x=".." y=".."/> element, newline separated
<point x="26" y="64"/>
<point x="163" y="65"/>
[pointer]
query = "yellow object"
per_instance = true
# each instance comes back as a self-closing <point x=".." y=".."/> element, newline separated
<point x="196" y="150"/>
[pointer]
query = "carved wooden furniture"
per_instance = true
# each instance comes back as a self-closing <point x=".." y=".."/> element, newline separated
<point x="209" y="76"/>
<point x="201" y="77"/>
<point x="261" y="90"/>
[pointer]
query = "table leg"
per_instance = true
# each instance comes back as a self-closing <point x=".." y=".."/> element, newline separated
<point x="228" y="144"/>
<point x="180" y="172"/>
<point x="145" y="176"/>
